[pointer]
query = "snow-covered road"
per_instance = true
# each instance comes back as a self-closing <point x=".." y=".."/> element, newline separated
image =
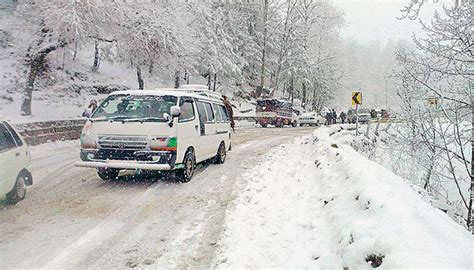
<point x="72" y="220"/>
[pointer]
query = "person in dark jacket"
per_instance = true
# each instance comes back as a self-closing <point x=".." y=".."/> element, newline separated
<point x="343" y="117"/>
<point x="228" y="106"/>
<point x="328" y="118"/>
<point x="334" y="116"/>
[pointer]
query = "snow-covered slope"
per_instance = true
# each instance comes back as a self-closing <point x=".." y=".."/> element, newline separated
<point x="317" y="203"/>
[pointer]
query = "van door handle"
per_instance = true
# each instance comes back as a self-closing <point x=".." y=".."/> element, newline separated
<point x="17" y="154"/>
<point x="196" y="127"/>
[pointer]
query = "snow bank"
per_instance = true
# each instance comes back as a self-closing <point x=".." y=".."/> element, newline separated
<point x="317" y="203"/>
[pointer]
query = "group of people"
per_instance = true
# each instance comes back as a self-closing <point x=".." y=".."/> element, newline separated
<point x="331" y="117"/>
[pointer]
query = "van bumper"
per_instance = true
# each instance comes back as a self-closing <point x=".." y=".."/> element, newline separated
<point x="127" y="159"/>
<point x="125" y="165"/>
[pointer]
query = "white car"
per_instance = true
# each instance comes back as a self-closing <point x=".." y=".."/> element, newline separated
<point x="15" y="161"/>
<point x="164" y="130"/>
<point x="311" y="119"/>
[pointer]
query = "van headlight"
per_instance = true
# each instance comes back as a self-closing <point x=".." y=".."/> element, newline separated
<point x="88" y="141"/>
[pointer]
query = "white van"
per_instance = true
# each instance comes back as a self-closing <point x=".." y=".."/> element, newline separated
<point x="168" y="129"/>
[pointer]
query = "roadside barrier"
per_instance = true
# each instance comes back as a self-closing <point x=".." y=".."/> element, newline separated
<point x="35" y="133"/>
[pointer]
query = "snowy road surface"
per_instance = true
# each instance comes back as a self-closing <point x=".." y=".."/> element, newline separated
<point x="71" y="219"/>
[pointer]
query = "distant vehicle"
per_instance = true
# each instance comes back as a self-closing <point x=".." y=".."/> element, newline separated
<point x="276" y="112"/>
<point x="164" y="130"/>
<point x="15" y="161"/>
<point x="311" y="119"/>
<point x="364" y="116"/>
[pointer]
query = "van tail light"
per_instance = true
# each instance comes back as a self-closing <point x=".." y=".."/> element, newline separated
<point x="163" y="144"/>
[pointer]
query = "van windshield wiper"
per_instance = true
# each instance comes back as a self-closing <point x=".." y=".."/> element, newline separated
<point x="118" y="118"/>
<point x="145" y="119"/>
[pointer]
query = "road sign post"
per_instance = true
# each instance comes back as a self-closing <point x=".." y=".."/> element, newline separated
<point x="357" y="119"/>
<point x="357" y="100"/>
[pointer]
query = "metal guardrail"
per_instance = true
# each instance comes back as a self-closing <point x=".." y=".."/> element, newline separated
<point x="49" y="131"/>
<point x="35" y="133"/>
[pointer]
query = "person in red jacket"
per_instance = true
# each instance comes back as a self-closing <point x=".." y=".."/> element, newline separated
<point x="228" y="106"/>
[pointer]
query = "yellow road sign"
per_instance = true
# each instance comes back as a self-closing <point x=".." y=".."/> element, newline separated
<point x="356" y="98"/>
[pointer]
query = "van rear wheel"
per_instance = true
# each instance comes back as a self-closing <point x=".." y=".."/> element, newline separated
<point x="221" y="154"/>
<point x="108" y="174"/>
<point x="189" y="162"/>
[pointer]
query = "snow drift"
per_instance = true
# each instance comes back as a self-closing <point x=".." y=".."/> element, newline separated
<point x="317" y="203"/>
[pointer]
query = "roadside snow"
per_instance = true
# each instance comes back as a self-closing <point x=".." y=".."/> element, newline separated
<point x="317" y="203"/>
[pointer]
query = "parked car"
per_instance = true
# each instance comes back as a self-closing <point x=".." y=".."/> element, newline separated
<point x="364" y="116"/>
<point x="15" y="161"/>
<point x="164" y="130"/>
<point x="311" y="119"/>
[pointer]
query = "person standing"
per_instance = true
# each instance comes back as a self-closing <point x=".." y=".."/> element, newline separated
<point x="230" y="111"/>
<point x="90" y="109"/>
<point x="334" y="116"/>
<point x="343" y="117"/>
<point x="328" y="118"/>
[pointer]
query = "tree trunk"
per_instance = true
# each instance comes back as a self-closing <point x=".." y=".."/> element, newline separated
<point x="209" y="81"/>
<point x="186" y="76"/>
<point x="75" y="51"/>
<point x="303" y="100"/>
<point x="141" y="83"/>
<point x="36" y="64"/>
<point x="95" y="66"/>
<point x="292" y="87"/>
<point x="470" y="211"/>
<point x="177" y="78"/>
<point x="264" y="50"/>
<point x="28" y="93"/>
<point x="215" y="81"/>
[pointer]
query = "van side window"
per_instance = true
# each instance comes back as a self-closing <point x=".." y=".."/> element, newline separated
<point x="6" y="140"/>
<point x="187" y="111"/>
<point x="202" y="111"/>
<point x="15" y="135"/>
<point x="202" y="116"/>
<point x="210" y="113"/>
<point x="218" y="112"/>
<point x="225" y="114"/>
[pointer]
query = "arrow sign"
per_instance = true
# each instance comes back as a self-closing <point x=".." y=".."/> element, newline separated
<point x="356" y="98"/>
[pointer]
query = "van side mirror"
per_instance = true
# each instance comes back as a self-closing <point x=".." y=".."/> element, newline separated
<point x="175" y="111"/>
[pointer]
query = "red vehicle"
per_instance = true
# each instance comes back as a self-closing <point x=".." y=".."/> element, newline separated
<point x="275" y="112"/>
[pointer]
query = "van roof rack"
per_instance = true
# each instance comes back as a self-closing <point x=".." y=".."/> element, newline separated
<point x="201" y="90"/>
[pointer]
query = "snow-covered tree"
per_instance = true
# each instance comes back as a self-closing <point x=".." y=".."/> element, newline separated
<point x="60" y="24"/>
<point x="150" y="34"/>
<point x="435" y="90"/>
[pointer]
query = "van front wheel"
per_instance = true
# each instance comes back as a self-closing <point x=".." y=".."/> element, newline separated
<point x="221" y="154"/>
<point x="189" y="162"/>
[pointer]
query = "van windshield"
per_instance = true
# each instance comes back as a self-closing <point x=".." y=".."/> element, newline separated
<point x="134" y="107"/>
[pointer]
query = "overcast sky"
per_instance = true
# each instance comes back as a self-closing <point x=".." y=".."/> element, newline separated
<point x="369" y="20"/>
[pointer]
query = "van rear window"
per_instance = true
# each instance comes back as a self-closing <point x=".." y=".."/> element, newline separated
<point x="225" y="114"/>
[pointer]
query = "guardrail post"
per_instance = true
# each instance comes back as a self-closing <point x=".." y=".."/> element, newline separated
<point x="377" y="127"/>
<point x="368" y="129"/>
